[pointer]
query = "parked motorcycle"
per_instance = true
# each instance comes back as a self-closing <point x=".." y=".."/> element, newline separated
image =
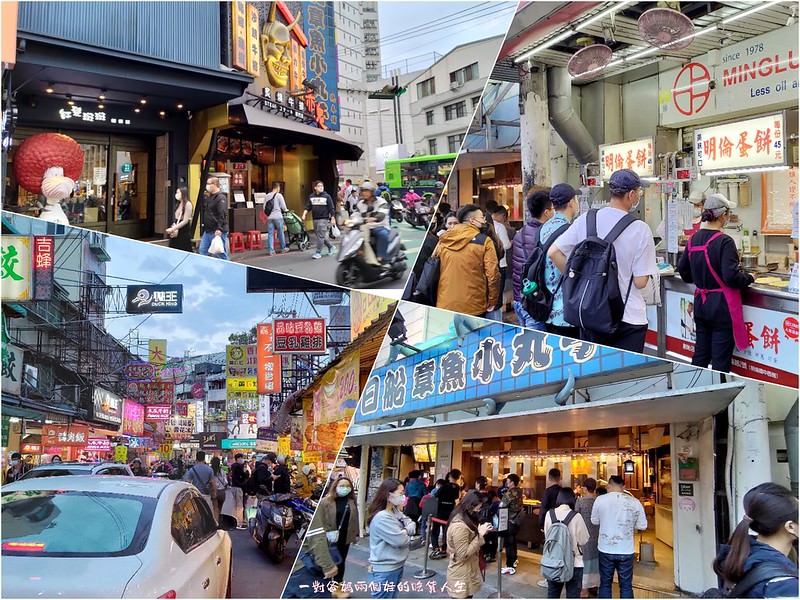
<point x="354" y="270"/>
<point x="398" y="209"/>
<point x="418" y="216"/>
<point x="277" y="518"/>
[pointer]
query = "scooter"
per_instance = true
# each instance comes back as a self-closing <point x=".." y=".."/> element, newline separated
<point x="273" y="525"/>
<point x="398" y="209"/>
<point x="354" y="270"/>
<point x="419" y="215"/>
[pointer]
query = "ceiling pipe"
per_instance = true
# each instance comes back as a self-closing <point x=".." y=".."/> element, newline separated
<point x="564" y="119"/>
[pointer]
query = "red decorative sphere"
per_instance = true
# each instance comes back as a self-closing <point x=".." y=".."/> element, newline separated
<point x="43" y="151"/>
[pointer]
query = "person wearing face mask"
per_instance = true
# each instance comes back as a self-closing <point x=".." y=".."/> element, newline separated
<point x="17" y="469"/>
<point x="323" y="213"/>
<point x="465" y="537"/>
<point x="469" y="275"/>
<point x="215" y="218"/>
<point x="711" y="262"/>
<point x="340" y="521"/>
<point x="180" y="232"/>
<point x="239" y="478"/>
<point x="759" y="566"/>
<point x="390" y="534"/>
<point x="636" y="259"/>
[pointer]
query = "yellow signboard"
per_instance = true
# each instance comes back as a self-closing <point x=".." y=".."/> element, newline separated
<point x="242" y="384"/>
<point x="157" y="352"/>
<point x="121" y="454"/>
<point x="312" y="456"/>
<point x="364" y="309"/>
<point x="284" y="445"/>
<point x="253" y="41"/>
<point x="165" y="450"/>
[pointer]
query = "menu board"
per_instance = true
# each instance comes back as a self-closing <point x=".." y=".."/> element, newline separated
<point x="778" y="201"/>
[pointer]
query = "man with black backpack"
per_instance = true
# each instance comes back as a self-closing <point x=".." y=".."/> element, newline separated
<point x="607" y="256"/>
<point x="540" y="209"/>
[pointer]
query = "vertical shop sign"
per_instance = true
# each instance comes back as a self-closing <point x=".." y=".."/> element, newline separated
<point x="133" y="418"/>
<point x="323" y="69"/>
<point x="253" y="41"/>
<point x="6" y="428"/>
<point x="16" y="268"/>
<point x="121" y="454"/>
<point x="12" y="369"/>
<point x="43" y="259"/>
<point x="239" y="29"/>
<point x="269" y="365"/>
<point x="157" y="352"/>
<point x="336" y="396"/>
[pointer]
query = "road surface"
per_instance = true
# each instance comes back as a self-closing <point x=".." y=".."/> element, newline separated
<point x="254" y="576"/>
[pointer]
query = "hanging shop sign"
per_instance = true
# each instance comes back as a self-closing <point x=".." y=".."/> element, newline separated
<point x="269" y="365"/>
<point x="299" y="336"/>
<point x="139" y="371"/>
<point x="771" y="354"/>
<point x="182" y="409"/>
<point x="198" y="391"/>
<point x="16" y="268"/>
<point x="242" y="384"/>
<point x="336" y="395"/>
<point x="121" y="454"/>
<point x="151" y="392"/>
<point x="179" y="428"/>
<point x="245" y="426"/>
<point x="157" y="352"/>
<point x="12" y="369"/>
<point x="237" y="401"/>
<point x="253" y="40"/>
<point x="636" y="156"/>
<point x="30" y="448"/>
<point x="760" y="73"/>
<point x="229" y="444"/>
<point x="6" y="421"/>
<point x="491" y="362"/>
<point x="107" y="406"/>
<point x="175" y="373"/>
<point x="133" y="418"/>
<point x="102" y="444"/>
<point x="44" y="252"/>
<point x="751" y="144"/>
<point x="65" y="435"/>
<point x="364" y="309"/>
<point x="241" y="360"/>
<point x="327" y="298"/>
<point x="208" y="440"/>
<point x="146" y="299"/>
<point x="323" y="61"/>
<point x="239" y="35"/>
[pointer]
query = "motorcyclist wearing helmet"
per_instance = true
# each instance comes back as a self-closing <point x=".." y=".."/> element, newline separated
<point x="307" y="481"/>
<point x="375" y="212"/>
<point x="281" y="480"/>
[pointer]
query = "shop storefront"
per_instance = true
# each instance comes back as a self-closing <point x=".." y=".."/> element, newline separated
<point x="482" y="176"/>
<point x="542" y="403"/>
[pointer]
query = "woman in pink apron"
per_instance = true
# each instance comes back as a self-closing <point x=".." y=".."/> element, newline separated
<point x="711" y="262"/>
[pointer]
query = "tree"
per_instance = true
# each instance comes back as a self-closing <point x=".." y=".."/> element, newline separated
<point x="244" y="337"/>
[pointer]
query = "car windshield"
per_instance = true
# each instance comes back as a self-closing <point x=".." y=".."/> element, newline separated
<point x="32" y="474"/>
<point x="74" y="523"/>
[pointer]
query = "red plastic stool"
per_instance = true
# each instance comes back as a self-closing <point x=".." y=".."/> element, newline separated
<point x="253" y="240"/>
<point x="237" y="242"/>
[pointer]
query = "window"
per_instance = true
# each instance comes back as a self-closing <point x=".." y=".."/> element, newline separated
<point x="426" y="88"/>
<point x="466" y="74"/>
<point x="432" y="146"/>
<point x="429" y="117"/>
<point x="455" y="111"/>
<point x="475" y="101"/>
<point x="191" y="524"/>
<point x="454" y="142"/>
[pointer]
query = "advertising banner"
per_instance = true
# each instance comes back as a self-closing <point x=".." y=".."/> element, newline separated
<point x="241" y="360"/>
<point x="242" y="384"/>
<point x="364" y="309"/>
<point x="760" y="72"/>
<point x="144" y="299"/>
<point x="245" y="426"/>
<point x="12" y="369"/>
<point x="636" y="155"/>
<point x="107" y="406"/>
<point x="133" y="418"/>
<point x="771" y="355"/>
<point x="336" y="396"/>
<point x="299" y="336"/>
<point x="322" y="59"/>
<point x="65" y="435"/>
<point x="16" y="278"/>
<point x="44" y="253"/>
<point x="269" y="365"/>
<point x="98" y="445"/>
<point x="743" y="144"/>
<point x="151" y="392"/>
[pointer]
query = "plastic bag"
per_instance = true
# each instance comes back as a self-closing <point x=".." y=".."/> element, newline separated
<point x="335" y="232"/>
<point x="217" y="246"/>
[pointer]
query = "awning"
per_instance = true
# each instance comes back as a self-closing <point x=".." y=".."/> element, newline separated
<point x="687" y="405"/>
<point x="474" y="159"/>
<point x="22" y="413"/>
<point x="287" y="131"/>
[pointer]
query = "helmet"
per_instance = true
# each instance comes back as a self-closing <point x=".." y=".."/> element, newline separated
<point x="368" y="185"/>
<point x="281" y="459"/>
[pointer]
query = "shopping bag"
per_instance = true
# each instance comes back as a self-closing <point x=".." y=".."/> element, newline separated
<point x="335" y="232"/>
<point x="217" y="246"/>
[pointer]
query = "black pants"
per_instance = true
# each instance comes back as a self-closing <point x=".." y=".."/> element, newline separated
<point x="510" y="545"/>
<point x="573" y="585"/>
<point x="713" y="345"/>
<point x="489" y="547"/>
<point x="343" y="548"/>
<point x="626" y="337"/>
<point x="438" y="527"/>
<point x="563" y="331"/>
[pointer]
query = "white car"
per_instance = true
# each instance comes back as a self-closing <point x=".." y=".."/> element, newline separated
<point x="82" y="536"/>
<point x="78" y="468"/>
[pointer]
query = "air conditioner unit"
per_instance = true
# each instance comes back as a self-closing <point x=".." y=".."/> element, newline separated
<point x="454" y="85"/>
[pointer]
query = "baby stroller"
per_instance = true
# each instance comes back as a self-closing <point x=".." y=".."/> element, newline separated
<point x="296" y="231"/>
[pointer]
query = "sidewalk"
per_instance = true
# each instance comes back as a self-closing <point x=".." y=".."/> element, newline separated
<point x="523" y="584"/>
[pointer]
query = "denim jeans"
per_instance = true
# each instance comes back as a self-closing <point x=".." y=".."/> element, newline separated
<point x="301" y="585"/>
<point x="205" y="242"/>
<point x="273" y="224"/>
<point x="381" y="241"/>
<point x="524" y="319"/>
<point x="382" y="578"/>
<point x="623" y="564"/>
<point x="573" y="585"/>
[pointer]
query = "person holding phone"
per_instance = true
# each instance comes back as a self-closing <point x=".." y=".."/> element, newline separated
<point x="465" y="537"/>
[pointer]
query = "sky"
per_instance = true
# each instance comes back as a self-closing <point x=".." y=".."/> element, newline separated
<point x="214" y="300"/>
<point x="412" y="31"/>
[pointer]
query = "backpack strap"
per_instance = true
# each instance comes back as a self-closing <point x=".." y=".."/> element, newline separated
<point x="569" y="517"/>
<point x="621" y="226"/>
<point x="591" y="223"/>
<point x="479" y="239"/>
<point x="762" y="572"/>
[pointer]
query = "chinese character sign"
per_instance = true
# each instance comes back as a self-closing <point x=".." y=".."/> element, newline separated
<point x="157" y="412"/>
<point x="241" y="360"/>
<point x="16" y="267"/>
<point x="65" y="435"/>
<point x="301" y="336"/>
<point x="269" y="365"/>
<point x="151" y="392"/>
<point x="744" y="144"/>
<point x="43" y="260"/>
<point x="133" y="418"/>
<point x="157" y="352"/>
<point x="636" y="155"/>
<point x="12" y="368"/>
<point x="98" y="444"/>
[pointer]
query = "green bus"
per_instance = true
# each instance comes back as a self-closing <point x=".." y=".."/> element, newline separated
<point x="423" y="173"/>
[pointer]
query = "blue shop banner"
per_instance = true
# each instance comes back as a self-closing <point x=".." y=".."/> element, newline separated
<point x="493" y="361"/>
<point x="322" y="62"/>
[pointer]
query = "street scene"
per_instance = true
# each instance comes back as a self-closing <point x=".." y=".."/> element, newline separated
<point x="664" y="113"/>
<point x="473" y="437"/>
<point x="295" y="130"/>
<point x="211" y="397"/>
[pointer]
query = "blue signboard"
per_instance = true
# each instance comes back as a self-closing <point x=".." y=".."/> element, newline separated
<point x="490" y="362"/>
<point x="322" y="62"/>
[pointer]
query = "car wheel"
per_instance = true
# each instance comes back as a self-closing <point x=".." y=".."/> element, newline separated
<point x="228" y="588"/>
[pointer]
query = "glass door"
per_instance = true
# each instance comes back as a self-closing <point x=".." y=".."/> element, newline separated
<point x="130" y="185"/>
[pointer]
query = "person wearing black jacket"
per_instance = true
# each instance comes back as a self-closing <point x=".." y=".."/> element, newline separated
<point x="262" y="477"/>
<point x="711" y="262"/>
<point x="215" y="218"/>
<point x="323" y="213"/>
<point x="447" y="496"/>
<point x="550" y="498"/>
<point x="281" y="481"/>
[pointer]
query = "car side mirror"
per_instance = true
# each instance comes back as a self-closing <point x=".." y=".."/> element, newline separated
<point x="226" y="523"/>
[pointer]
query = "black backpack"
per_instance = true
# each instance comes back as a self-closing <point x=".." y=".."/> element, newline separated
<point x="762" y="572"/>
<point x="592" y="298"/>
<point x="538" y="298"/>
<point x="270" y="204"/>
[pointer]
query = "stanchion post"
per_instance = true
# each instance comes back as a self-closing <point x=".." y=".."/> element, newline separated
<point x="426" y="573"/>
<point x="502" y="530"/>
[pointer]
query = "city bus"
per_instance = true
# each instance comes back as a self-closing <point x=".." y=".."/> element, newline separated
<point x="424" y="173"/>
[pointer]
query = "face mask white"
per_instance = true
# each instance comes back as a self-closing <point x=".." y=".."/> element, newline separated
<point x="208" y="188"/>
<point x="397" y="499"/>
<point x="178" y="197"/>
<point x="343" y="491"/>
<point x="14" y="462"/>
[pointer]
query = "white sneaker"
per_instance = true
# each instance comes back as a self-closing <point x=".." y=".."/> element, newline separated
<point x="510" y="570"/>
